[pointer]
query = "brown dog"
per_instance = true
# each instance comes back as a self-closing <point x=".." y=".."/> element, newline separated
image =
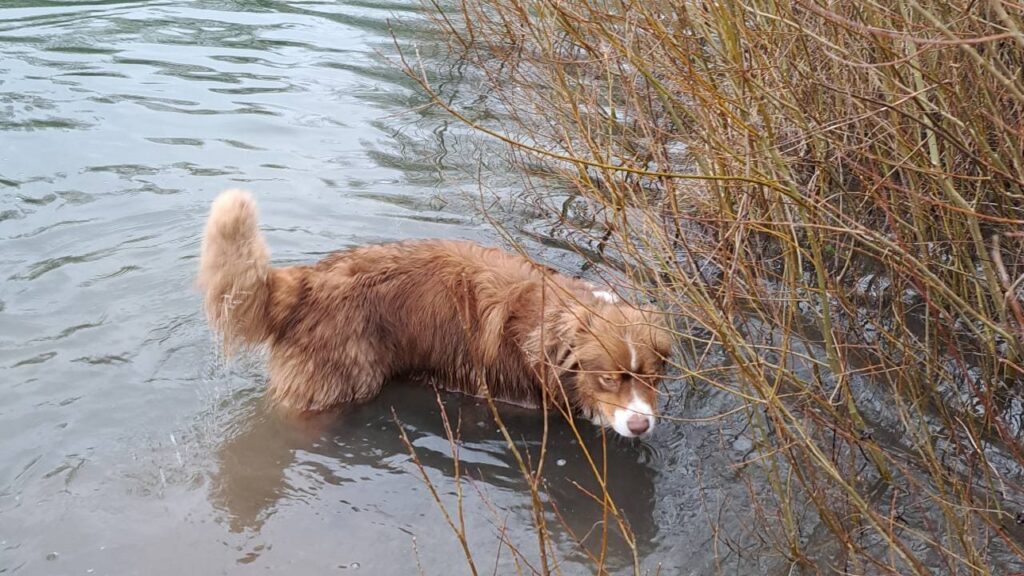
<point x="475" y="319"/>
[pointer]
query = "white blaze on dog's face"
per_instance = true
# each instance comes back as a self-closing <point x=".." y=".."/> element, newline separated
<point x="620" y="356"/>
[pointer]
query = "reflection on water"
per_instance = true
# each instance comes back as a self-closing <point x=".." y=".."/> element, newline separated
<point x="128" y="446"/>
<point x="269" y="462"/>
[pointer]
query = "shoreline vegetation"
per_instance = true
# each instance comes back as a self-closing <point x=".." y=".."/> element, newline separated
<point x="829" y="194"/>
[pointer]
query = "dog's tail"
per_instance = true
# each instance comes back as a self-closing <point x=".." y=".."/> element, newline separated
<point x="235" y="272"/>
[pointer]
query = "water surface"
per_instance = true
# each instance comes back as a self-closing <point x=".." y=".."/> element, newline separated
<point x="129" y="446"/>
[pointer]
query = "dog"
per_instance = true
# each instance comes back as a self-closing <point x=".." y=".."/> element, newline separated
<point x="473" y="319"/>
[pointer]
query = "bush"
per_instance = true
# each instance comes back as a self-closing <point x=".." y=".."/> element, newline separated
<point x="793" y="176"/>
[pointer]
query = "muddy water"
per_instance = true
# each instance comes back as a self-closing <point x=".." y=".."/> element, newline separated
<point x="128" y="446"/>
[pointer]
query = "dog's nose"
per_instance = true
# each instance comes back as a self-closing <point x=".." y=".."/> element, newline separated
<point x="638" y="424"/>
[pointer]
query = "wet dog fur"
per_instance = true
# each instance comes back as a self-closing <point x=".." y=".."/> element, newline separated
<point x="474" y="319"/>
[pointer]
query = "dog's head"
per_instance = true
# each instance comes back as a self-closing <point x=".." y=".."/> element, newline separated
<point x="619" y="357"/>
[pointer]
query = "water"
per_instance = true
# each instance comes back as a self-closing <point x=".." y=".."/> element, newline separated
<point x="130" y="447"/>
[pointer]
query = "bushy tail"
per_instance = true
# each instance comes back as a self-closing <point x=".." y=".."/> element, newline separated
<point x="234" y="271"/>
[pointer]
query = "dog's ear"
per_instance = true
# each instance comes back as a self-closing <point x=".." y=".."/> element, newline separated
<point x="662" y="339"/>
<point x="584" y="318"/>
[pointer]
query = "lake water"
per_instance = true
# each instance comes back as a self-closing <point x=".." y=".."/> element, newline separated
<point x="129" y="446"/>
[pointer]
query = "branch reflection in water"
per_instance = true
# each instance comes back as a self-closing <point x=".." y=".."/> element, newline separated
<point x="271" y="460"/>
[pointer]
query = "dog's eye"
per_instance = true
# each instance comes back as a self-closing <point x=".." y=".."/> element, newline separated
<point x="610" y="382"/>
